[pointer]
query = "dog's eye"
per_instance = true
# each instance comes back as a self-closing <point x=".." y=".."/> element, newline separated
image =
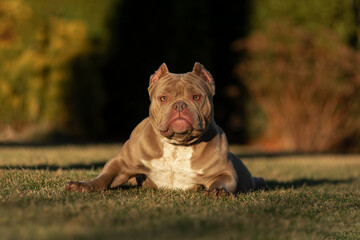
<point x="196" y="97"/>
<point x="163" y="98"/>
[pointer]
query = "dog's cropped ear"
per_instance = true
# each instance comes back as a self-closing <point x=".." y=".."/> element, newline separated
<point x="158" y="74"/>
<point x="201" y="71"/>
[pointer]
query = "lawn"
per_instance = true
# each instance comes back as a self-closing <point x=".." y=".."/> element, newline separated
<point x="310" y="197"/>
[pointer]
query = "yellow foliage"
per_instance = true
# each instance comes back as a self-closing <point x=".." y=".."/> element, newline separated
<point x="12" y="13"/>
<point x="5" y="88"/>
<point x="65" y="32"/>
<point x="37" y="77"/>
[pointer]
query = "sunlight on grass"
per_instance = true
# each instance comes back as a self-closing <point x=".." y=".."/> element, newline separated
<point x="57" y="155"/>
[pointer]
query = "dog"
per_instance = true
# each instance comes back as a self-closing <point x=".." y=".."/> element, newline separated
<point x="179" y="146"/>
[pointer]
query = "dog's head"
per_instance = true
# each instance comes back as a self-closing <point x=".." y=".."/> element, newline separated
<point x="181" y="104"/>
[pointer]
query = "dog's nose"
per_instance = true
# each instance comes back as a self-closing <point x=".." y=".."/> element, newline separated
<point x="179" y="106"/>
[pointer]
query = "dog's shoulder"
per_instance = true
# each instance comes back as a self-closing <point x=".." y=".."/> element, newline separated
<point x="142" y="128"/>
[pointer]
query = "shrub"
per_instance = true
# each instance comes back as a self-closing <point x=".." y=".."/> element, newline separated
<point x="307" y="83"/>
<point x="48" y="78"/>
<point x="342" y="16"/>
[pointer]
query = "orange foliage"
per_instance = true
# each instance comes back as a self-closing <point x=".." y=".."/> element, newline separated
<point x="308" y="85"/>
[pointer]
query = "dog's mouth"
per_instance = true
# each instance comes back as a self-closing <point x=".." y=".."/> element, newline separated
<point x="179" y="125"/>
<point x="181" y="131"/>
<point x="182" y="127"/>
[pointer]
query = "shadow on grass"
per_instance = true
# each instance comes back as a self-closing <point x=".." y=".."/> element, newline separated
<point x="56" y="167"/>
<point x="275" y="155"/>
<point x="272" y="185"/>
<point x="305" y="182"/>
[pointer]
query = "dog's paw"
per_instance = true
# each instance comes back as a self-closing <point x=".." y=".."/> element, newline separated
<point x="218" y="192"/>
<point x="79" y="187"/>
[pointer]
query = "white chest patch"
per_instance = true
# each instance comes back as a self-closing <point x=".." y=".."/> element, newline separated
<point x="173" y="170"/>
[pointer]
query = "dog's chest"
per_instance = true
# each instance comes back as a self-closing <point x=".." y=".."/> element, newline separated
<point x="173" y="170"/>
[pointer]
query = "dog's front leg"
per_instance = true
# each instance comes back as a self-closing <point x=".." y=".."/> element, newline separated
<point x="222" y="185"/>
<point x="114" y="174"/>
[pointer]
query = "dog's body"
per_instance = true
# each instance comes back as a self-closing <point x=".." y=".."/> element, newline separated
<point x="179" y="146"/>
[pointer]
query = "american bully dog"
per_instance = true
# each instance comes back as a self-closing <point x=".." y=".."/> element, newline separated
<point x="179" y="146"/>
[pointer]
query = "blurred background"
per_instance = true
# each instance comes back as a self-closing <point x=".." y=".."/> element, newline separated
<point x="287" y="72"/>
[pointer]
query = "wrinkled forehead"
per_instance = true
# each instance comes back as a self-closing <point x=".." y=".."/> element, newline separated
<point x="181" y="84"/>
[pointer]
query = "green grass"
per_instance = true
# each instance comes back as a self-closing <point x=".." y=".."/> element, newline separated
<point x="310" y="197"/>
